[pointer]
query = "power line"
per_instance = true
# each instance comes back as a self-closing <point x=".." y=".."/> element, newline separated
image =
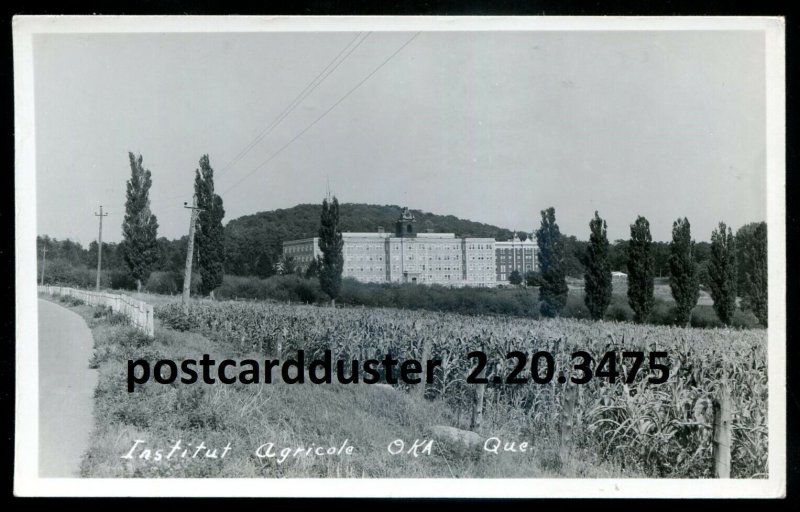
<point x="302" y="132"/>
<point x="307" y="90"/>
<point x="298" y="99"/>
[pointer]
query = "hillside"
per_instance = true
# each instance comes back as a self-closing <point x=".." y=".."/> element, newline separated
<point x="253" y="242"/>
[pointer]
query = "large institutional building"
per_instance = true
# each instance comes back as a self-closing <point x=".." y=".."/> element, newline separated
<point x="407" y="256"/>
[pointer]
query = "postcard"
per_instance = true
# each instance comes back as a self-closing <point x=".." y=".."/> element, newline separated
<point x="400" y="256"/>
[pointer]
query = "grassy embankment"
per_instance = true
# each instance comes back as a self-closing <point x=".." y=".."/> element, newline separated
<point x="246" y="416"/>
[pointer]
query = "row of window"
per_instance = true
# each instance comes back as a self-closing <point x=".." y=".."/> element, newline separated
<point x="503" y="268"/>
<point x="362" y="248"/>
<point x="352" y="270"/>
<point x="294" y="249"/>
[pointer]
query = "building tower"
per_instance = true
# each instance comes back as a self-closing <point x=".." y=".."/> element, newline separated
<point x="405" y="226"/>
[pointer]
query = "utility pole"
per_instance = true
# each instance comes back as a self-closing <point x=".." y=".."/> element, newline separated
<point x="187" y="275"/>
<point x="100" y="245"/>
<point x="44" y="255"/>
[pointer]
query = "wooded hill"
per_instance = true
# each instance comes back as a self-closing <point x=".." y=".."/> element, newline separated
<point x="253" y="242"/>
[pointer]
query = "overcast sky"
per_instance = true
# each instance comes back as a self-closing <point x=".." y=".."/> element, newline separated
<point x="487" y="126"/>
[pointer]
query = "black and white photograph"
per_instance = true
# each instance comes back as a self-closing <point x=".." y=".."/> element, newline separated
<point x="379" y="256"/>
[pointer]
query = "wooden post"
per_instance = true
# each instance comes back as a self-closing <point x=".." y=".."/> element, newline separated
<point x="567" y="421"/>
<point x="426" y="354"/>
<point x="722" y="434"/>
<point x="477" y="409"/>
<point x="187" y="274"/>
<point x="44" y="255"/>
<point x="100" y="245"/>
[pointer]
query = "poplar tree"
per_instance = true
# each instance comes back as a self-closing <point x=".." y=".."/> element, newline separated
<point x="754" y="297"/>
<point x="597" y="279"/>
<point x="683" y="272"/>
<point x="722" y="273"/>
<point x="553" y="289"/>
<point x="139" y="228"/>
<point x="331" y="245"/>
<point x="640" y="270"/>
<point x="209" y="235"/>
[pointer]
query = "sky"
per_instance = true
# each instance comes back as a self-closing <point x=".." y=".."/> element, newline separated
<point x="488" y="126"/>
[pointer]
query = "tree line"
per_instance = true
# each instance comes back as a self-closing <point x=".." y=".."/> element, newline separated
<point x="729" y="266"/>
<point x="131" y="262"/>
<point x="736" y="267"/>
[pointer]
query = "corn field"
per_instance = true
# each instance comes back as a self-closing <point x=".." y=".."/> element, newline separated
<point x="662" y="430"/>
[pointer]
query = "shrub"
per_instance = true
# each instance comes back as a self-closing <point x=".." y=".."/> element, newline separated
<point x="70" y="301"/>
<point x="165" y="283"/>
<point x="704" y="317"/>
<point x="101" y="311"/>
<point x="132" y="339"/>
<point x="745" y="319"/>
<point x="293" y="288"/>
<point x="575" y="307"/>
<point x="175" y="319"/>
<point x="619" y="313"/>
<point x="120" y="280"/>
<point x="242" y="287"/>
<point x="663" y="313"/>
<point x="62" y="273"/>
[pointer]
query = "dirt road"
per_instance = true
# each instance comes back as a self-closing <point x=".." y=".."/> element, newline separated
<point x="66" y="387"/>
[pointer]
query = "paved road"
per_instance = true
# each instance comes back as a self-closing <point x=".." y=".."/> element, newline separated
<point x="66" y="388"/>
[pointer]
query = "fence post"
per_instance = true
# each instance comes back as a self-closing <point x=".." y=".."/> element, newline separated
<point x="722" y="433"/>
<point x="150" y="321"/>
<point x="477" y="406"/>
<point x="567" y="422"/>
<point x="426" y="354"/>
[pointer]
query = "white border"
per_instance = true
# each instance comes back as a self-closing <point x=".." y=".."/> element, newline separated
<point x="26" y="480"/>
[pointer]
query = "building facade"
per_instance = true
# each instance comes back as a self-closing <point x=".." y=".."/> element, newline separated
<point x="407" y="256"/>
<point x="302" y="251"/>
<point x="514" y="255"/>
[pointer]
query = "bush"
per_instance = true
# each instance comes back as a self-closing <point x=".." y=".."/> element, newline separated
<point x="165" y="283"/>
<point x="288" y="288"/>
<point x="704" y="317"/>
<point x="134" y="338"/>
<point x="60" y="272"/>
<point x="663" y="313"/>
<point x="70" y="301"/>
<point x="619" y="313"/>
<point x="467" y="300"/>
<point x="120" y="280"/>
<point x="292" y="288"/>
<point x="575" y="306"/>
<point x="745" y="319"/>
<point x="242" y="287"/>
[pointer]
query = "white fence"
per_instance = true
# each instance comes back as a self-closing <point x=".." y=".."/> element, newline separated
<point x="140" y="314"/>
